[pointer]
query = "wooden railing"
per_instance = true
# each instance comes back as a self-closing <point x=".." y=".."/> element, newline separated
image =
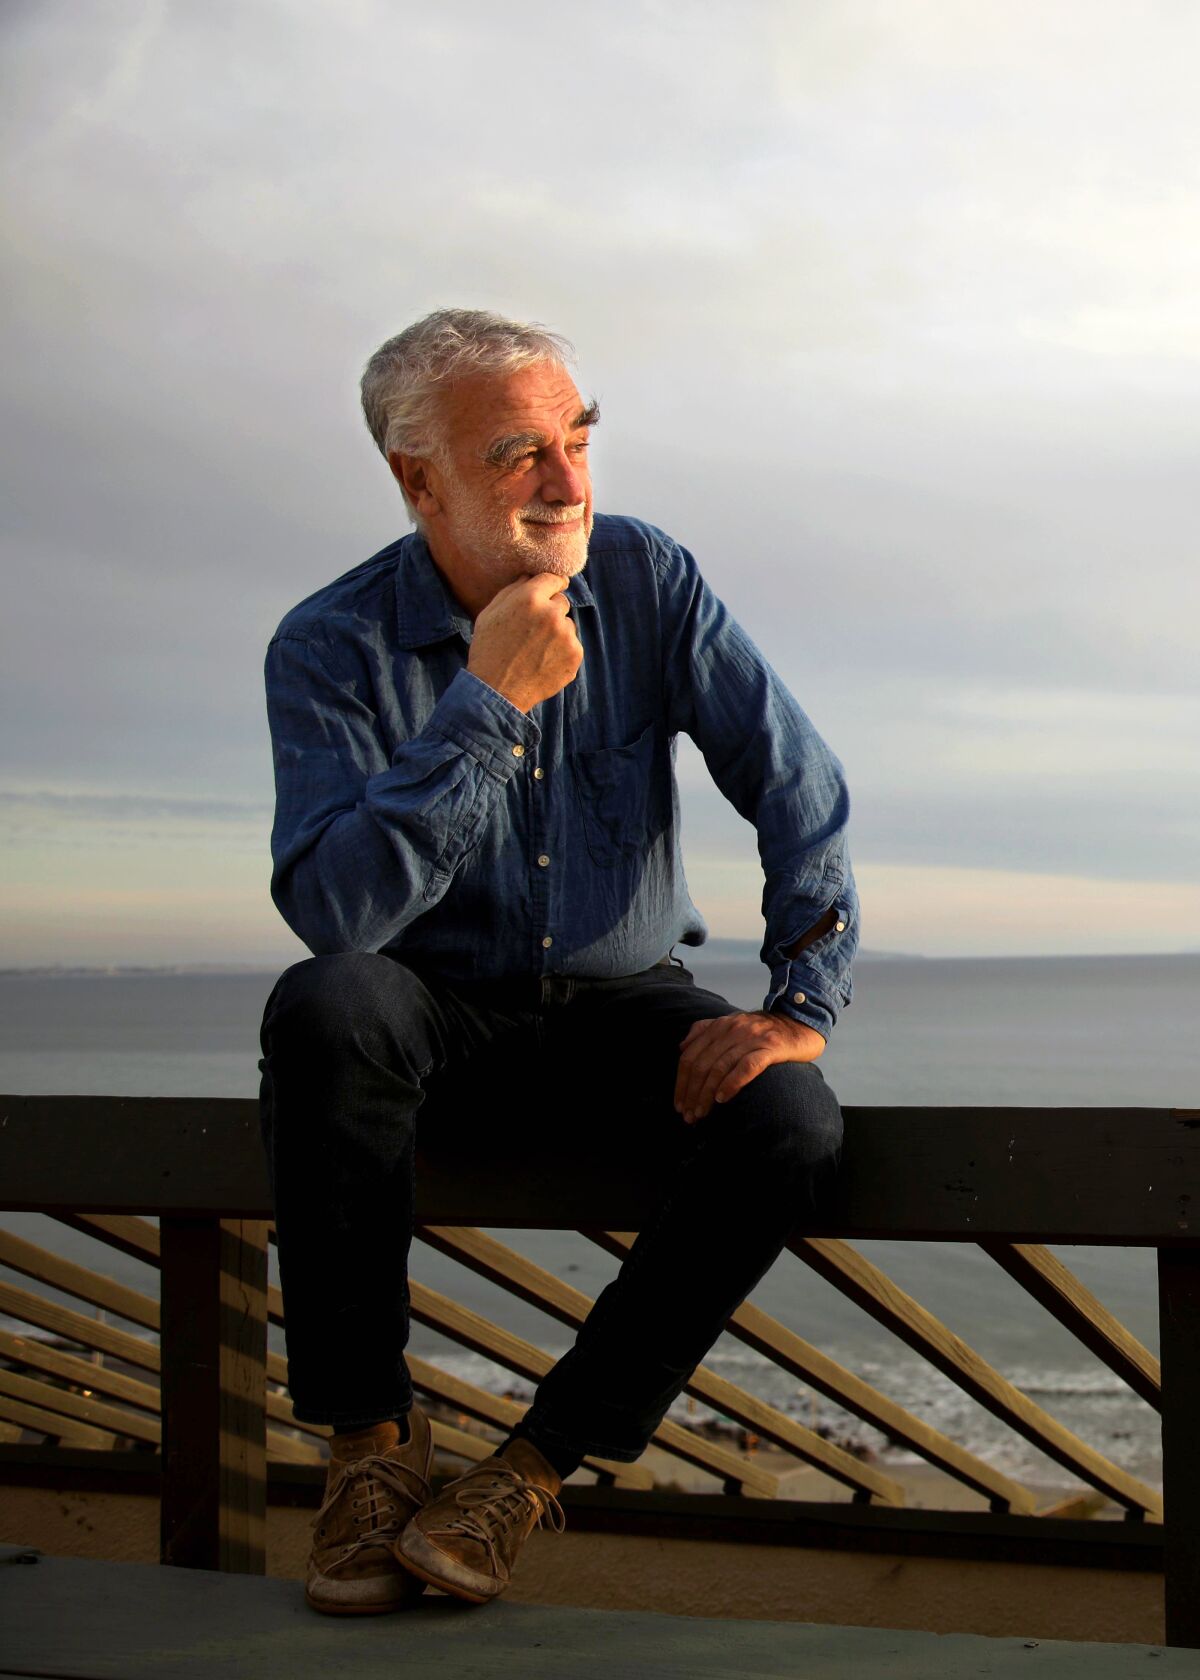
<point x="1011" y="1180"/>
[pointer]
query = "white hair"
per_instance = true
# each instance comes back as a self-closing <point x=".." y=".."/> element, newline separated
<point x="402" y="381"/>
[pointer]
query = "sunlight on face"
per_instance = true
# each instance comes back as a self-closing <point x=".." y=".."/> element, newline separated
<point x="513" y="480"/>
<point x="512" y="542"/>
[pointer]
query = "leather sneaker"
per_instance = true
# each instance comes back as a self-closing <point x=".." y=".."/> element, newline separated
<point x="466" y="1540"/>
<point x="374" y="1484"/>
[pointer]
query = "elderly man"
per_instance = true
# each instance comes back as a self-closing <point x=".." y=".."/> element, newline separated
<point x="477" y="833"/>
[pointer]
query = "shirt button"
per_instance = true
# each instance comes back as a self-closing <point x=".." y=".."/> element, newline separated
<point x="547" y="942"/>
<point x="799" y="997"/>
<point x="538" y="774"/>
<point x="544" y="861"/>
<point x="518" y="751"/>
<point x="839" y="927"/>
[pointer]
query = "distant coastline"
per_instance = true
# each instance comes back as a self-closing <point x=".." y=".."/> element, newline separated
<point x="728" y="950"/>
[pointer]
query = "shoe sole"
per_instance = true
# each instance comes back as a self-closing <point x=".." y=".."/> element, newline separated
<point x="330" y="1607"/>
<point x="358" y="1609"/>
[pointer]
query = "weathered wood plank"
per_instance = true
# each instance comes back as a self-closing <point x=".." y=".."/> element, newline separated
<point x="59" y="1428"/>
<point x="514" y="1354"/>
<point x="1065" y="1175"/>
<point x="783" y="1347"/>
<point x="505" y="1414"/>
<point x="890" y="1306"/>
<point x="86" y="1285"/>
<point x="214" y="1300"/>
<point x="1179" y="1319"/>
<point x="1055" y="1287"/>
<point x="461" y="1442"/>
<point x="74" y="1326"/>
<point x="532" y="1283"/>
<point x="39" y="1356"/>
<point x="135" y="1237"/>
<point x="97" y="1414"/>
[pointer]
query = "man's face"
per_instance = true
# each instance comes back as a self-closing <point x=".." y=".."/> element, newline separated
<point x="513" y="485"/>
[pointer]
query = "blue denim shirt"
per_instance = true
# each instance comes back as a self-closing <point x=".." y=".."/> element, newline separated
<point x="421" y="814"/>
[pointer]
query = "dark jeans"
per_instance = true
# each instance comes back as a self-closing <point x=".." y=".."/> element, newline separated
<point x="361" y="1053"/>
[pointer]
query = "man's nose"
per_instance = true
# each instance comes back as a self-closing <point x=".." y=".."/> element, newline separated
<point x="564" y="480"/>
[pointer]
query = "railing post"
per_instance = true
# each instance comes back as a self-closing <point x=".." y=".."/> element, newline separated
<point x="1179" y="1319"/>
<point x="214" y="1351"/>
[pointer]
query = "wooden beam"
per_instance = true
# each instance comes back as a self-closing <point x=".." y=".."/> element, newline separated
<point x="505" y="1414"/>
<point x="100" y="1379"/>
<point x="462" y="1325"/>
<point x="137" y="1238"/>
<point x="792" y="1353"/>
<point x="95" y="1414"/>
<point x="1059" y="1175"/>
<point x="1179" y="1318"/>
<point x="214" y="1343"/>
<point x="529" y="1282"/>
<point x="55" y="1425"/>
<point x="28" y="1308"/>
<point x="871" y="1289"/>
<point x="71" y="1279"/>
<point x="1055" y="1287"/>
<point x="461" y="1442"/>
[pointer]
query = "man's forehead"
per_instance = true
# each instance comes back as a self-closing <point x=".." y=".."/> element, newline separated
<point x="536" y="399"/>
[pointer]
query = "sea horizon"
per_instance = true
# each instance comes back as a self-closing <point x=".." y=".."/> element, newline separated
<point x="716" y="944"/>
<point x="922" y="1031"/>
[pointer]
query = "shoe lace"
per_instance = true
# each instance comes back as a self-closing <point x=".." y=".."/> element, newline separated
<point x="491" y="1509"/>
<point x="376" y="1514"/>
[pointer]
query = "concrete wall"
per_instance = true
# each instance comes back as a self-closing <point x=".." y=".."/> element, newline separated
<point x="685" y="1577"/>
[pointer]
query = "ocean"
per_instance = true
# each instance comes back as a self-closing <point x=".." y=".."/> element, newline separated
<point x="1109" y="1031"/>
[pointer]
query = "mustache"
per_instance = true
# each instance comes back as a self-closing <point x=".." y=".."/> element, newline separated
<point x="540" y="514"/>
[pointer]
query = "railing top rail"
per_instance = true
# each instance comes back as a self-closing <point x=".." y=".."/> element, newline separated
<point x="1122" y="1176"/>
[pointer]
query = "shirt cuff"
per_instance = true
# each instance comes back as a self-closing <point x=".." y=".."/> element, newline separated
<point x="483" y="723"/>
<point x="793" y="994"/>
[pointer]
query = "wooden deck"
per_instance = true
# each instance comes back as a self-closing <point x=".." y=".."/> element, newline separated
<point x="75" y="1620"/>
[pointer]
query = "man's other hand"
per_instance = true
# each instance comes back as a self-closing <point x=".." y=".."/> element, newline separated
<point x="525" y="644"/>
<point x="718" y="1057"/>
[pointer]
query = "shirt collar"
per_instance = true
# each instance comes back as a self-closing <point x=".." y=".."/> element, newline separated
<point x="426" y="611"/>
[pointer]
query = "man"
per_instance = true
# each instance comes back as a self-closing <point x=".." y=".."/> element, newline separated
<point x="477" y="833"/>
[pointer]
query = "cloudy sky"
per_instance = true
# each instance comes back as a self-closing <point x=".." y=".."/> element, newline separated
<point x="892" y="311"/>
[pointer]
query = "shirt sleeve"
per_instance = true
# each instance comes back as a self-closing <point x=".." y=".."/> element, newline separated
<point x="770" y="763"/>
<point x="365" y="840"/>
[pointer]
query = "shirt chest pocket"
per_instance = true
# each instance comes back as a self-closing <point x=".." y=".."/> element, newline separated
<point x="620" y="796"/>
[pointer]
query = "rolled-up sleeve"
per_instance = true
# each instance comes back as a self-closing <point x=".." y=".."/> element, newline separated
<point x="771" y="764"/>
<point x="366" y="839"/>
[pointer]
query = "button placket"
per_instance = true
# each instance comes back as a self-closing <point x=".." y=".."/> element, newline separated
<point x="540" y="859"/>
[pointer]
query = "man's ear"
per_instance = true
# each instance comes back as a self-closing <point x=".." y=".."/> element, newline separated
<point x="411" y="473"/>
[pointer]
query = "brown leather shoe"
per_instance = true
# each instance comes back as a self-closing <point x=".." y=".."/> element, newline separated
<point x="467" y="1539"/>
<point x="373" y="1486"/>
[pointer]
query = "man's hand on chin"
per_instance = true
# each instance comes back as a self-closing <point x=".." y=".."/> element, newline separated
<point x="718" y="1057"/>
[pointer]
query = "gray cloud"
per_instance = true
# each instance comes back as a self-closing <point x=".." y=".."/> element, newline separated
<point x="891" y="313"/>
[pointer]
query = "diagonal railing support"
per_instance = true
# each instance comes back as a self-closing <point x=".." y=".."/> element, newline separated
<point x="865" y="1284"/>
<point x="1054" y="1286"/>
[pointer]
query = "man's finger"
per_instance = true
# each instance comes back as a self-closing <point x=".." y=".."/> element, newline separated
<point x="543" y="585"/>
<point x="741" y="1075"/>
<point x="724" y="1068"/>
<point x="698" y="1059"/>
<point x="699" y="1028"/>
